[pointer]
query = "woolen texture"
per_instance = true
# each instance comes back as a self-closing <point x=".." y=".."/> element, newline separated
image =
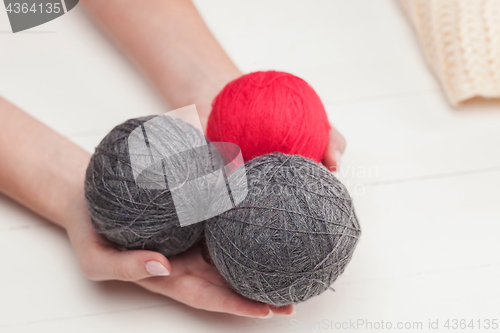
<point x="461" y="43"/>
<point x="127" y="214"/>
<point x="267" y="112"/>
<point x="291" y="237"/>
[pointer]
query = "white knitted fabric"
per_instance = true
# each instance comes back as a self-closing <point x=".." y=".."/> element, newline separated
<point x="461" y="41"/>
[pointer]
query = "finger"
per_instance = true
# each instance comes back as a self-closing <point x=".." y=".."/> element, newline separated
<point x="287" y="310"/>
<point x="201" y="294"/>
<point x="195" y="264"/>
<point x="335" y="149"/>
<point x="192" y="262"/>
<point x="104" y="263"/>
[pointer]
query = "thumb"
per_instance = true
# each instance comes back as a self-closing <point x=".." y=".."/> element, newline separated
<point x="334" y="150"/>
<point x="130" y="265"/>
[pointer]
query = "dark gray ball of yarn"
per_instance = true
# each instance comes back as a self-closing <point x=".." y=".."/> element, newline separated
<point x="127" y="214"/>
<point x="291" y="237"/>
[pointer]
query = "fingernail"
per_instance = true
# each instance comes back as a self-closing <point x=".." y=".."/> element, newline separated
<point x="156" y="268"/>
<point x="338" y="159"/>
<point x="294" y="312"/>
<point x="269" y="315"/>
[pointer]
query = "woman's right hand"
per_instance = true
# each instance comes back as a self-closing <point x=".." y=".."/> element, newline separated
<point x="187" y="278"/>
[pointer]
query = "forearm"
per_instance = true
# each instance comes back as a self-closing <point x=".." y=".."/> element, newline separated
<point x="170" y="42"/>
<point x="38" y="167"/>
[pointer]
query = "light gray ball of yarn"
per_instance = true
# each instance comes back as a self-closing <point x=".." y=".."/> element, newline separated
<point x="133" y="216"/>
<point x="291" y="237"/>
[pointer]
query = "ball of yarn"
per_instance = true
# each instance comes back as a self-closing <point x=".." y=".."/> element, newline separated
<point x="266" y="112"/>
<point x="130" y="215"/>
<point x="291" y="237"/>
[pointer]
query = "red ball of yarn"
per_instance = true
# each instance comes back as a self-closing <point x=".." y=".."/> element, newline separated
<point x="267" y="112"/>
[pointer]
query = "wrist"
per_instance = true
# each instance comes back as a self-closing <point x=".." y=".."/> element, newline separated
<point x="73" y="206"/>
<point x="204" y="93"/>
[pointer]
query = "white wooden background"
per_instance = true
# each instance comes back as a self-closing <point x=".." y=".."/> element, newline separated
<point x="425" y="177"/>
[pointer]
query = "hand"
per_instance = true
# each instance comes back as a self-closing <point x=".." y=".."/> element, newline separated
<point x="191" y="280"/>
<point x="196" y="283"/>
<point x="334" y="150"/>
